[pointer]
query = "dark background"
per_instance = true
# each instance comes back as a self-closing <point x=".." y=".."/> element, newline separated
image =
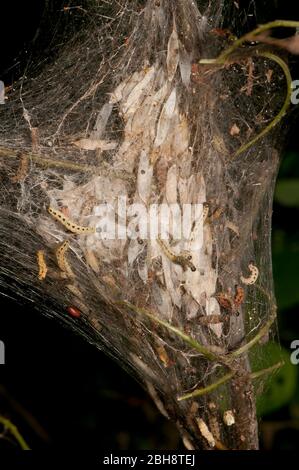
<point x="63" y="393"/>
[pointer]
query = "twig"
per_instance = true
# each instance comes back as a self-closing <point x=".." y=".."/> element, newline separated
<point x="15" y="432"/>
<point x="24" y="413"/>
<point x="262" y="332"/>
<point x="260" y="373"/>
<point x="225" y="360"/>
<point x="222" y="58"/>
<point x="47" y="162"/>
<point x="282" y="111"/>
<point x="209" y="388"/>
<point x="225" y="56"/>
<point x="190" y="341"/>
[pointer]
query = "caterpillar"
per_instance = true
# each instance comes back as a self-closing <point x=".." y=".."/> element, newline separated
<point x="42" y="266"/>
<point x="214" y="427"/>
<point x="216" y="214"/>
<point x="205" y="432"/>
<point x="254" y="274"/>
<point x="34" y="138"/>
<point x="92" y="260"/>
<point x="61" y="258"/>
<point x="163" y="356"/>
<point x="95" y="323"/>
<point x="75" y="290"/>
<point x="212" y="319"/>
<point x="71" y="226"/>
<point x="213" y="421"/>
<point x="183" y="260"/>
<point x="205" y="212"/>
<point x="22" y="170"/>
<point x="79" y="298"/>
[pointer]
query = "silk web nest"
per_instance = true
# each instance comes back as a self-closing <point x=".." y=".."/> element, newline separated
<point x="122" y="108"/>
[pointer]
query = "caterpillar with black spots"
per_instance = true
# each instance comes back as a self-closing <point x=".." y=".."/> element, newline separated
<point x="69" y="224"/>
<point x="183" y="260"/>
<point x="254" y="274"/>
<point x="62" y="262"/>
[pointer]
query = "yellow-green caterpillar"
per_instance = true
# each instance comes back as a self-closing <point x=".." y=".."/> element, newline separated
<point x="71" y="226"/>
<point x="61" y="258"/>
<point x="42" y="266"/>
<point x="183" y="260"/>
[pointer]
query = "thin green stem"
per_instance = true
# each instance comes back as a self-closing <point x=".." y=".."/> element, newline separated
<point x="284" y="108"/>
<point x="222" y="58"/>
<point x="7" y="424"/>
<point x="187" y="339"/>
<point x="262" y="332"/>
<point x="260" y="373"/>
<point x="209" y="388"/>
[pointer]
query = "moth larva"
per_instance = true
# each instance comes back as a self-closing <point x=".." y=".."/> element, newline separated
<point x="205" y="432"/>
<point x="163" y="356"/>
<point x="92" y="260"/>
<point x="95" y="323"/>
<point x="61" y="258"/>
<point x="42" y="266"/>
<point x="79" y="298"/>
<point x="71" y="226"/>
<point x="216" y="214"/>
<point x="183" y="259"/>
<point x="34" y="138"/>
<point x="212" y="319"/>
<point x="22" y="170"/>
<point x="75" y="290"/>
<point x="214" y="427"/>
<point x="213" y="421"/>
<point x="205" y="212"/>
<point x="254" y="274"/>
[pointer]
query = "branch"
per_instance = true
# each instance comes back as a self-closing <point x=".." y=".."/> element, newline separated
<point x="7" y="424"/>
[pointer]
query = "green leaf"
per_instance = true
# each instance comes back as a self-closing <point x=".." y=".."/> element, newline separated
<point x="285" y="265"/>
<point x="289" y="165"/>
<point x="287" y="192"/>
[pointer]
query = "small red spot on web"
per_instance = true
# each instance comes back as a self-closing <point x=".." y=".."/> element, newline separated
<point x="74" y="312"/>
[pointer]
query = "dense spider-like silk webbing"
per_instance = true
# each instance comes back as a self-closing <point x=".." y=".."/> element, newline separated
<point x="123" y="108"/>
